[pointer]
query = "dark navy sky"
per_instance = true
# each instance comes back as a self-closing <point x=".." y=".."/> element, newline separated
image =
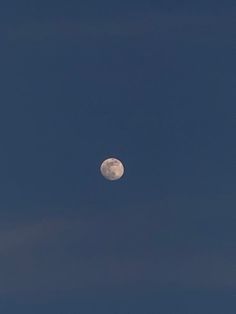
<point x="152" y="83"/>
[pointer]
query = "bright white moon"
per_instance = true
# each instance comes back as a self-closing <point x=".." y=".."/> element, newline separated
<point x="112" y="169"/>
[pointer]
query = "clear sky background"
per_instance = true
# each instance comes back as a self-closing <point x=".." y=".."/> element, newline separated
<point x="153" y="84"/>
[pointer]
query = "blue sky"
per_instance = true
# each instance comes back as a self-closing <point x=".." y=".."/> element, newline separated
<point x="152" y="84"/>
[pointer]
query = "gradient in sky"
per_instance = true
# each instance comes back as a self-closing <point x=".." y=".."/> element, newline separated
<point x="153" y="84"/>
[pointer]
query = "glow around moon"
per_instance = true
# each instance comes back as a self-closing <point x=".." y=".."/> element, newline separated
<point x="112" y="169"/>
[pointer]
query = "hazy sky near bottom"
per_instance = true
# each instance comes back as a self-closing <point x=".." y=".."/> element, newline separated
<point x="120" y="262"/>
<point x="152" y="84"/>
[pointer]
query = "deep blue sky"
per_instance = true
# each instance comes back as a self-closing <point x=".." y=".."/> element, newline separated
<point x="149" y="82"/>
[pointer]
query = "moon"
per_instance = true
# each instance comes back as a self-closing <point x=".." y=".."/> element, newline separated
<point x="112" y="169"/>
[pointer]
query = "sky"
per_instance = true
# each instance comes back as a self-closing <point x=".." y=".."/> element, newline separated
<point x="153" y="84"/>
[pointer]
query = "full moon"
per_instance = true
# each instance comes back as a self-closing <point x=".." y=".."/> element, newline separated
<point x="112" y="169"/>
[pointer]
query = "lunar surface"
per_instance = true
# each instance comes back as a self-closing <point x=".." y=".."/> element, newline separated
<point x="112" y="169"/>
